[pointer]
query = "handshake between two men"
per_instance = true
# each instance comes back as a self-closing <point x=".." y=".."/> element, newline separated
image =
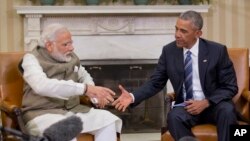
<point x="101" y="96"/>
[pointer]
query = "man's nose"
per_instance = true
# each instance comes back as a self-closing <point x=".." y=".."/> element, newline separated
<point x="177" y="34"/>
<point x="71" y="47"/>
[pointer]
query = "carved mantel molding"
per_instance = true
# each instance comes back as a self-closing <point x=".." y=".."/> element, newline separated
<point x="105" y="21"/>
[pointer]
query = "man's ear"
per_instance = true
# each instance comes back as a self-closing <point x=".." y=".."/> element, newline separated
<point x="198" y="33"/>
<point x="49" y="46"/>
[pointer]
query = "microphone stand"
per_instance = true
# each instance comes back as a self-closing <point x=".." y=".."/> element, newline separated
<point x="22" y="136"/>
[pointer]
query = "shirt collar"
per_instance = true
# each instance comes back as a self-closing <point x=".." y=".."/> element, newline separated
<point x="194" y="49"/>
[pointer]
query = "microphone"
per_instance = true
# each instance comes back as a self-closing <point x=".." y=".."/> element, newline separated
<point x="64" y="130"/>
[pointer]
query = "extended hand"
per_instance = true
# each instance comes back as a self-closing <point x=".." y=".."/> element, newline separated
<point x="102" y="94"/>
<point x="123" y="101"/>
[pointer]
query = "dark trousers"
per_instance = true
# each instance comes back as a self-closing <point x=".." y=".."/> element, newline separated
<point x="222" y="115"/>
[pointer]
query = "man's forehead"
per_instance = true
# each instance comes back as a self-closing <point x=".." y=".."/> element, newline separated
<point x="184" y="24"/>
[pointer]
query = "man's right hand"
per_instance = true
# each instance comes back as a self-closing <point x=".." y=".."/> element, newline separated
<point x="103" y="95"/>
<point x="123" y="100"/>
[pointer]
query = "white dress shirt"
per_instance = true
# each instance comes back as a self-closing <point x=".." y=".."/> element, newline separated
<point x="197" y="90"/>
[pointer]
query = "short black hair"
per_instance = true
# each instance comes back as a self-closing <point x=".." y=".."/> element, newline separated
<point x="194" y="17"/>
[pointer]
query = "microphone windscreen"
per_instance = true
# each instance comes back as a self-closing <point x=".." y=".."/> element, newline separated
<point x="64" y="130"/>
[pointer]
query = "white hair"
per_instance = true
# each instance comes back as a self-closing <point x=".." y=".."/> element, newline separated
<point x="50" y="32"/>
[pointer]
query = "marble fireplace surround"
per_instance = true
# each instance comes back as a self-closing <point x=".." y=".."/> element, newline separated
<point x="108" y="34"/>
<point x="117" y="45"/>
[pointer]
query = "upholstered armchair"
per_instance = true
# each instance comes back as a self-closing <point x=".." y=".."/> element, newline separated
<point x="207" y="132"/>
<point x="11" y="92"/>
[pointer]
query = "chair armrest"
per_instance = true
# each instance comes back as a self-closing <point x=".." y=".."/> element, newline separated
<point x="245" y="111"/>
<point x="8" y="108"/>
<point x="168" y="99"/>
<point x="170" y="96"/>
<point x="15" y="113"/>
<point x="246" y="96"/>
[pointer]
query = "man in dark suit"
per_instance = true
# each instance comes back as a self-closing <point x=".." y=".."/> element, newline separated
<point x="204" y="84"/>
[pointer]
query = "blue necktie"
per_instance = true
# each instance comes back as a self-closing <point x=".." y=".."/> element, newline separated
<point x="188" y="82"/>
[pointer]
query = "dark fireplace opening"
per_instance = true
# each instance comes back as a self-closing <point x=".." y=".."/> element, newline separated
<point x="148" y="115"/>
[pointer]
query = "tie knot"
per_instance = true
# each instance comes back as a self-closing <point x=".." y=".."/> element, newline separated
<point x="189" y="53"/>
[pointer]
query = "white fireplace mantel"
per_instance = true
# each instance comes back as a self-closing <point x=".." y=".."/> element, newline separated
<point x="139" y="32"/>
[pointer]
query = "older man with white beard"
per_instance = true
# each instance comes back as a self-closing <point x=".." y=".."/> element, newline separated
<point x="54" y="80"/>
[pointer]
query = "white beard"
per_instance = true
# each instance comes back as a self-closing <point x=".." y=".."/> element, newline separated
<point x="61" y="57"/>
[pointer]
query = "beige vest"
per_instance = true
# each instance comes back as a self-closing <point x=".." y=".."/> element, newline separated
<point x="35" y="105"/>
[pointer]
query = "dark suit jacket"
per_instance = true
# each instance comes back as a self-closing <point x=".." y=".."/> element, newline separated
<point x="217" y="75"/>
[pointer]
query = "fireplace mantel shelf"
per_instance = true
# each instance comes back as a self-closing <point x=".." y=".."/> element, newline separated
<point x="149" y="9"/>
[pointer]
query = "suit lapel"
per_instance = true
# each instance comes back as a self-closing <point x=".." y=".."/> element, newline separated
<point x="203" y="62"/>
<point x="179" y="61"/>
<point x="179" y="64"/>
